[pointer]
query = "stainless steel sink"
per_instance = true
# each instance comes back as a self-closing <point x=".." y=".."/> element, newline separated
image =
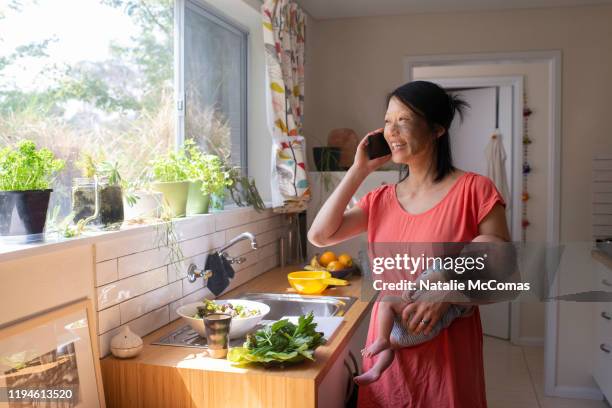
<point x="295" y="305"/>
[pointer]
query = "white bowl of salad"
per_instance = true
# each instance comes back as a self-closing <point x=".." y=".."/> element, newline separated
<point x="245" y="314"/>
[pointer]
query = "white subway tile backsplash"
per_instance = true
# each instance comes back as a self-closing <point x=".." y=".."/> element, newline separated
<point x="143" y="261"/>
<point x="268" y="237"/>
<point x="152" y="300"/>
<point x="251" y="259"/>
<point x="106" y="272"/>
<point x="190" y="287"/>
<point x="104" y="341"/>
<point x="140" y="282"/>
<point x="200" y="245"/>
<point x="108" y="319"/>
<point x="232" y="218"/>
<point x="268" y="250"/>
<point x="151" y="321"/>
<point x="179" y="270"/>
<point x="194" y="226"/>
<point x="241" y="277"/>
<point x="129" y="244"/>
<point x="125" y="289"/>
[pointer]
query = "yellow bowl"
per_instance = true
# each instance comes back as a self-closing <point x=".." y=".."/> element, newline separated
<point x="313" y="282"/>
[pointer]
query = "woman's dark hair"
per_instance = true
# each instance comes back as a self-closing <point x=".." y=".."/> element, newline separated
<point x="437" y="107"/>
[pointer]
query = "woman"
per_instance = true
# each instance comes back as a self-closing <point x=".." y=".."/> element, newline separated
<point x="434" y="203"/>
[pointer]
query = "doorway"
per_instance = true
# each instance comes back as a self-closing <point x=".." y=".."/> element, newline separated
<point x="496" y="106"/>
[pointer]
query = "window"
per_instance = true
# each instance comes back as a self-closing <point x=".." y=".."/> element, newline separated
<point x="98" y="76"/>
<point x="215" y="83"/>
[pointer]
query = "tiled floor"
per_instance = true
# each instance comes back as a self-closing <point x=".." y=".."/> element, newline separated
<point x="515" y="378"/>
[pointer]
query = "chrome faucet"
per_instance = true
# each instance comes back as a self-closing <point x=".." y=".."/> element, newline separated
<point x="238" y="238"/>
<point x="193" y="273"/>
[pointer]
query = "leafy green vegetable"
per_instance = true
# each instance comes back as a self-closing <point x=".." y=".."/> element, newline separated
<point x="280" y="343"/>
<point x="22" y="167"/>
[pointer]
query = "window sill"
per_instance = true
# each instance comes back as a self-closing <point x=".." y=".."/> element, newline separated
<point x="55" y="242"/>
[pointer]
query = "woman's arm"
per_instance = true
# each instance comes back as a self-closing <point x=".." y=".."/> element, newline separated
<point x="495" y="224"/>
<point x="332" y="223"/>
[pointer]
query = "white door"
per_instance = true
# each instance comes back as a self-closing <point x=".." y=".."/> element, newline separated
<point x="468" y="143"/>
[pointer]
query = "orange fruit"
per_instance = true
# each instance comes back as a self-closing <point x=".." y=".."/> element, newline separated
<point x="327" y="257"/>
<point x="346" y="260"/>
<point x="335" y="266"/>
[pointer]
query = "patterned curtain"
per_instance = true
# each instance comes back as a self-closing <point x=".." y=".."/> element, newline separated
<point x="284" y="25"/>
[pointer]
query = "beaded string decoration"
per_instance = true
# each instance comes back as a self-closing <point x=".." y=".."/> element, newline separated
<point x="526" y="167"/>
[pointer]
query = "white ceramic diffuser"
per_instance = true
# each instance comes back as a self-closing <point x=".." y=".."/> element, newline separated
<point x="126" y="344"/>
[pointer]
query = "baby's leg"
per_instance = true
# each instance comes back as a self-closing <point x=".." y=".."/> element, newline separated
<point x="383" y="361"/>
<point x="386" y="313"/>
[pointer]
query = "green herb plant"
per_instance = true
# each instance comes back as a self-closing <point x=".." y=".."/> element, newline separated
<point x="280" y="343"/>
<point x="170" y="167"/>
<point x="23" y="167"/>
<point x="208" y="169"/>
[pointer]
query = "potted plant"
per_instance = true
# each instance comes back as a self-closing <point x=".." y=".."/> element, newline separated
<point x="25" y="176"/>
<point x="140" y="202"/>
<point x="209" y="178"/>
<point x="109" y="191"/>
<point x="170" y="178"/>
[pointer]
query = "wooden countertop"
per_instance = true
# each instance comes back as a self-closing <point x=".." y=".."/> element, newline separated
<point x="273" y="281"/>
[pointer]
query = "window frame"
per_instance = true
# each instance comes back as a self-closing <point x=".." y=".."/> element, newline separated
<point x="208" y="11"/>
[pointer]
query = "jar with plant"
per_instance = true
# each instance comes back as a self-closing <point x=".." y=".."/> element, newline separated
<point x="170" y="177"/>
<point x="109" y="188"/>
<point x="26" y="174"/>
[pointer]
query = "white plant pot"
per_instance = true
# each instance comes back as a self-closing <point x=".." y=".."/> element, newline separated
<point x="148" y="205"/>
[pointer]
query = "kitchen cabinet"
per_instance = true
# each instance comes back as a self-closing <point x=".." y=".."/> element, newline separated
<point x="337" y="385"/>
<point x="602" y="346"/>
<point x="171" y="376"/>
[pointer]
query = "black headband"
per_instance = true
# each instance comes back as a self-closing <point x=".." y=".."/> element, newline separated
<point x="429" y="99"/>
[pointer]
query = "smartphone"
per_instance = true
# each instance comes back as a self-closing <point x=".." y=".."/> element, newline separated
<point x="377" y="146"/>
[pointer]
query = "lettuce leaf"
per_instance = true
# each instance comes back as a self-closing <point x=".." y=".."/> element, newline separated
<point x="280" y="343"/>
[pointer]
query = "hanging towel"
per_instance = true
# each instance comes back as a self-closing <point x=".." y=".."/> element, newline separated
<point x="223" y="273"/>
<point x="496" y="165"/>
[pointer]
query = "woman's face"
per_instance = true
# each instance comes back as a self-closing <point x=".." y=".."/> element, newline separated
<point x="407" y="133"/>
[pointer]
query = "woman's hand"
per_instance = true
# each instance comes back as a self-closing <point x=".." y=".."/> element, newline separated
<point x="422" y="316"/>
<point x="362" y="162"/>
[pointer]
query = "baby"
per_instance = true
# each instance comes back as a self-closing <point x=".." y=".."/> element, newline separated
<point x="393" y="334"/>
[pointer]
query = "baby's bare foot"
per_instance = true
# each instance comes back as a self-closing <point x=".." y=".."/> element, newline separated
<point x="368" y="377"/>
<point x="373" y="349"/>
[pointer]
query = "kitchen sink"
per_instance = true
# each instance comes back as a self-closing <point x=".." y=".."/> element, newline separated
<point x="295" y="305"/>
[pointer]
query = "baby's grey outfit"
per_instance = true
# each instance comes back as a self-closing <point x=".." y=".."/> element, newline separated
<point x="403" y="337"/>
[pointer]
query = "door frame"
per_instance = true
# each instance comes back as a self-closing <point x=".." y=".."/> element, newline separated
<point x="553" y="59"/>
